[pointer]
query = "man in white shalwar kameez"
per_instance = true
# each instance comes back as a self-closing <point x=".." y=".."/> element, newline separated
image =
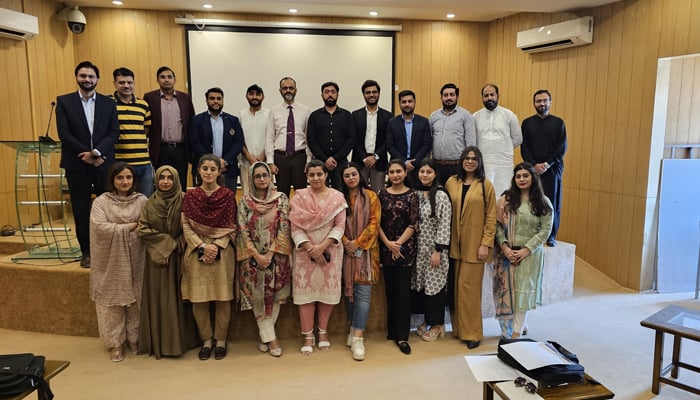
<point x="497" y="135"/>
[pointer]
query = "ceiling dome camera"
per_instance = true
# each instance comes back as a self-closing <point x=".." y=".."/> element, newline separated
<point x="74" y="18"/>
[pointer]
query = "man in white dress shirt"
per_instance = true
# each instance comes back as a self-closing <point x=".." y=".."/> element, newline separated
<point x="254" y="120"/>
<point x="497" y="135"/>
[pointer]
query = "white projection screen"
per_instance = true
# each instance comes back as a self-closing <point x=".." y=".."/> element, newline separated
<point x="235" y="58"/>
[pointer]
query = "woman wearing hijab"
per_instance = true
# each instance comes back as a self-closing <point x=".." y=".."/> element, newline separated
<point x="263" y="248"/>
<point x="167" y="325"/>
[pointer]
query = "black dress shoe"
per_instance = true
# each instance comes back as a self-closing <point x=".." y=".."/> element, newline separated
<point x="220" y="352"/>
<point x="403" y="346"/>
<point x="473" y="344"/>
<point x="85" y="261"/>
<point x="204" y="353"/>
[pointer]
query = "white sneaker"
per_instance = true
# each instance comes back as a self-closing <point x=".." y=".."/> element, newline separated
<point x="350" y="336"/>
<point x="358" y="348"/>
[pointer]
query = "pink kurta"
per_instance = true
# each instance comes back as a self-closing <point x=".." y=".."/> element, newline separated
<point x="315" y="220"/>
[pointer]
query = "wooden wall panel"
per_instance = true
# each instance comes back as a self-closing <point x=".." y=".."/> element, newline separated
<point x="605" y="94"/>
<point x="683" y="111"/>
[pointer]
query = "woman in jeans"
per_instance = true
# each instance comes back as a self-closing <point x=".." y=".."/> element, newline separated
<point x="361" y="259"/>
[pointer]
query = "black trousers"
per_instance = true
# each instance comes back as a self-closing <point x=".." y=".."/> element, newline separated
<point x="82" y="184"/>
<point x="551" y="184"/>
<point x="291" y="171"/>
<point x="397" y="281"/>
<point x="445" y="172"/>
<point x="433" y="307"/>
<point x="177" y="157"/>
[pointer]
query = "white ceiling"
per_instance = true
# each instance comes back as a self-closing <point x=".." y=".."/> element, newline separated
<point x="465" y="10"/>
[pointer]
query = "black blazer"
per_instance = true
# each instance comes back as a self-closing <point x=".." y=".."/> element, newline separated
<point x="421" y="138"/>
<point x="201" y="140"/>
<point x="359" y="152"/>
<point x="74" y="133"/>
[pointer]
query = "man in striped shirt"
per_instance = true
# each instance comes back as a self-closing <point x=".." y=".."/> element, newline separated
<point x="134" y="122"/>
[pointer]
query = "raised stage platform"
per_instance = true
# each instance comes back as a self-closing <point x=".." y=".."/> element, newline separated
<point x="52" y="297"/>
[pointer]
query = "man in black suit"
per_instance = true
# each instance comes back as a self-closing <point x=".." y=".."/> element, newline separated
<point x="408" y="137"/>
<point x="88" y="128"/>
<point x="370" y="136"/>
<point x="218" y="133"/>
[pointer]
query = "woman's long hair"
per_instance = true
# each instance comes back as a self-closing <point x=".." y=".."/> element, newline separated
<point x="538" y="206"/>
<point x="344" y="188"/>
<point x="434" y="187"/>
<point x="479" y="174"/>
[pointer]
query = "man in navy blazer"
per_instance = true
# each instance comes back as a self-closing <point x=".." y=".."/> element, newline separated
<point x="413" y="126"/>
<point x="88" y="129"/>
<point x="370" y="136"/>
<point x="218" y="133"/>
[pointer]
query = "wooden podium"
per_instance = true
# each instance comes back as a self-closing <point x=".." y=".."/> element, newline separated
<point x="40" y="201"/>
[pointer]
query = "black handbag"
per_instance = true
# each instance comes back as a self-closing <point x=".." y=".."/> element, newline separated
<point x="22" y="372"/>
<point x="550" y="375"/>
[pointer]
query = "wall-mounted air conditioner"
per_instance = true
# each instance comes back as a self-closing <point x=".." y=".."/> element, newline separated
<point x="576" y="32"/>
<point x="16" y="25"/>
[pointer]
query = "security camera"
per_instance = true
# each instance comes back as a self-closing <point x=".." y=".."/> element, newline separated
<point x="74" y="18"/>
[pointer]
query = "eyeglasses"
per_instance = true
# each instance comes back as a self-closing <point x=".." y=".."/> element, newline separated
<point x="471" y="159"/>
<point x="264" y="175"/>
<point x="529" y="386"/>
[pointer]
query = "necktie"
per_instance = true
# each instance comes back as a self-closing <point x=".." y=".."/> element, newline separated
<point x="290" y="133"/>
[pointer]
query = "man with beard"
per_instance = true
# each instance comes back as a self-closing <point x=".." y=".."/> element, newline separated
<point x="254" y="121"/>
<point x="408" y="137"/>
<point x="171" y="113"/>
<point x="88" y="128"/>
<point x="331" y="133"/>
<point x="285" y="142"/>
<point x="218" y="133"/>
<point x="453" y="131"/>
<point x="370" y="136"/>
<point x="497" y="135"/>
<point x="544" y="146"/>
<point x="134" y="124"/>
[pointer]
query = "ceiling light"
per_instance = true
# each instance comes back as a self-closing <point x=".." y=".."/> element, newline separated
<point x="207" y="6"/>
<point x="450" y="15"/>
<point x="373" y="13"/>
<point x="293" y="10"/>
<point x="117" y="2"/>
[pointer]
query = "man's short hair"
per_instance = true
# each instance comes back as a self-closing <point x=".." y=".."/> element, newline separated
<point x="405" y="93"/>
<point x="214" y="90"/>
<point x="493" y="85"/>
<point x="88" y="64"/>
<point x="254" y="88"/>
<point x="449" y="86"/>
<point x="290" y="78"/>
<point x="122" y="71"/>
<point x="163" y="69"/>
<point x="540" y="92"/>
<point x="326" y="84"/>
<point x="369" y="83"/>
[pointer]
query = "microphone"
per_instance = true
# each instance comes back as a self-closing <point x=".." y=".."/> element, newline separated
<point x="46" y="138"/>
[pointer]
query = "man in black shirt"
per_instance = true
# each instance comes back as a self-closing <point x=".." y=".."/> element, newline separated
<point x="544" y="146"/>
<point x="330" y="133"/>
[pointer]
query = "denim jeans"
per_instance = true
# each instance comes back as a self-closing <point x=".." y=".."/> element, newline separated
<point x="358" y="310"/>
<point x="143" y="175"/>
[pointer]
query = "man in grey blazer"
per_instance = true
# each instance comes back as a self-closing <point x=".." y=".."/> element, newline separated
<point x="88" y="129"/>
<point x="370" y="136"/>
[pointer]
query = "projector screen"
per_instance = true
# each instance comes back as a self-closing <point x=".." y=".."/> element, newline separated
<point x="235" y="58"/>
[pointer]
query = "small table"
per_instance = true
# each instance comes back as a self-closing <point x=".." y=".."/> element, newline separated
<point x="680" y="322"/>
<point x="51" y="369"/>
<point x="589" y="389"/>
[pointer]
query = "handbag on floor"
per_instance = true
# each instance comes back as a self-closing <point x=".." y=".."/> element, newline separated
<point x="22" y="372"/>
<point x="550" y="375"/>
